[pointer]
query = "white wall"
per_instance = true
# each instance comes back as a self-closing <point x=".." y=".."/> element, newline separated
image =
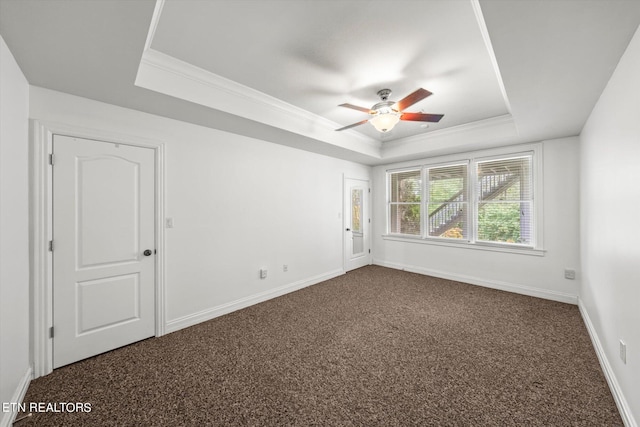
<point x="238" y="204"/>
<point x="14" y="232"/>
<point x="610" y="206"/>
<point x="541" y="276"/>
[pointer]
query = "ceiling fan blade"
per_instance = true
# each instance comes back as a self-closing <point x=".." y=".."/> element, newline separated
<point x="355" y="107"/>
<point x="421" y="117"/>
<point x="353" y="125"/>
<point x="411" y="99"/>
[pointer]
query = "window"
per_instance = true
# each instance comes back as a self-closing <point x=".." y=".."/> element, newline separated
<point x="477" y="200"/>
<point x="405" y="193"/>
<point x="504" y="200"/>
<point x="356" y="210"/>
<point x="447" y="203"/>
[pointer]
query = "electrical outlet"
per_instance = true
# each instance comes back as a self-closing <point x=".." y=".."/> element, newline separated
<point x="285" y="268"/>
<point x="623" y="352"/>
<point x="569" y="274"/>
<point x="168" y="222"/>
<point x="263" y="273"/>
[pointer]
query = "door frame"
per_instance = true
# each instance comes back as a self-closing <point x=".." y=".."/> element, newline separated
<point x="346" y="212"/>
<point x="41" y="224"/>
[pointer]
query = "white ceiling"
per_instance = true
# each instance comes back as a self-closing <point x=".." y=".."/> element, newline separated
<point x="317" y="55"/>
<point x="500" y="71"/>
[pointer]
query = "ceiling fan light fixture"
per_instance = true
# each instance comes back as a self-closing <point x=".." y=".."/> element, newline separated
<point x="384" y="122"/>
<point x="386" y="114"/>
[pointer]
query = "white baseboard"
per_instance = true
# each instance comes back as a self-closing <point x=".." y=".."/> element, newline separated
<point x="204" y="315"/>
<point x="7" y="418"/>
<point x="614" y="386"/>
<point x="494" y="284"/>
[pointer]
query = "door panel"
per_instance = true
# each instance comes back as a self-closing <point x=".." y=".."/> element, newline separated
<point x="108" y="220"/>
<point x="120" y="294"/>
<point x="103" y="220"/>
<point x="357" y="253"/>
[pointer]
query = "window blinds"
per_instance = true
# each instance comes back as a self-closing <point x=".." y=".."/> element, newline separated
<point x="447" y="203"/>
<point x="404" y="202"/>
<point x="504" y="200"/>
<point x="475" y="200"/>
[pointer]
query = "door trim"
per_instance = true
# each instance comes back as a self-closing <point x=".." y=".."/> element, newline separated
<point x="41" y="224"/>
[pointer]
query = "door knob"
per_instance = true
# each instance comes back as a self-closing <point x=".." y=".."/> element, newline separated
<point x="147" y="252"/>
<point x="348" y="229"/>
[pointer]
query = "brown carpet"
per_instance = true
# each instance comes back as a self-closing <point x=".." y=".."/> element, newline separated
<point x="375" y="347"/>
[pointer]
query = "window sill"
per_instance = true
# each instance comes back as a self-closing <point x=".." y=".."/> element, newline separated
<point x="466" y="245"/>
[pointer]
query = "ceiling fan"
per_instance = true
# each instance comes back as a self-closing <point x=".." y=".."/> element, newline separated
<point x="386" y="114"/>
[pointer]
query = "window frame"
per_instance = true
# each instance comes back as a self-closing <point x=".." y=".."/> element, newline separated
<point x="426" y="197"/>
<point x="476" y="199"/>
<point x="535" y="247"/>
<point x="390" y="203"/>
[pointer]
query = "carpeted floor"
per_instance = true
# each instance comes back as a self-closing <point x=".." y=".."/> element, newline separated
<point x="375" y="347"/>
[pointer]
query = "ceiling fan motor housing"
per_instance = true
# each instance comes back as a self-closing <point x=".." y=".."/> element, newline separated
<point x="384" y="94"/>
<point x="384" y="107"/>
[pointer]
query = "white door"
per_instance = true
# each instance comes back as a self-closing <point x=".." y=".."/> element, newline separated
<point x="103" y="247"/>
<point x="357" y="223"/>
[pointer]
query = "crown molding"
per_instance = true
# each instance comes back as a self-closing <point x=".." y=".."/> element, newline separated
<point x="477" y="10"/>
<point x="502" y="122"/>
<point x="165" y="74"/>
<point x="168" y="75"/>
<point x="155" y="19"/>
<point x="226" y="95"/>
<point x="171" y="76"/>
<point x="484" y="133"/>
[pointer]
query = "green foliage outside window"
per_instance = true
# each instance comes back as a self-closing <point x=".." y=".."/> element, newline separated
<point x="499" y="222"/>
<point x="443" y="190"/>
<point x="410" y="193"/>
<point x="405" y="192"/>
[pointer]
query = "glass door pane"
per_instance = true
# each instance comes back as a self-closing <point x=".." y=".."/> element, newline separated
<point x="356" y="221"/>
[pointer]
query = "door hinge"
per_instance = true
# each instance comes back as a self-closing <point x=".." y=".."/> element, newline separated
<point x="51" y="332"/>
<point x="369" y="220"/>
<point x="51" y="159"/>
<point x="50" y="245"/>
<point x="369" y="250"/>
<point x="369" y="190"/>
